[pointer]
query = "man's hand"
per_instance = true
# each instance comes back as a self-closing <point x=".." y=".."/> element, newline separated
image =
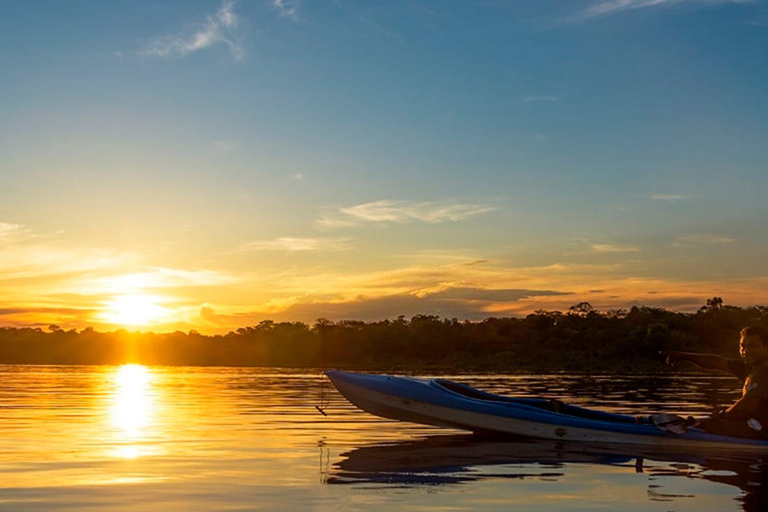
<point x="672" y="356"/>
<point x="706" y="361"/>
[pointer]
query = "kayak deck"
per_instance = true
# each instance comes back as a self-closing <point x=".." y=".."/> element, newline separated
<point x="551" y="405"/>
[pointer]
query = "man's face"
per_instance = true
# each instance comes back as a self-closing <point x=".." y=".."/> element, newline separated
<point x="753" y="350"/>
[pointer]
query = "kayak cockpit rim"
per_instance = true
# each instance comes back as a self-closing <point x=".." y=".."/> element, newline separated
<point x="547" y="405"/>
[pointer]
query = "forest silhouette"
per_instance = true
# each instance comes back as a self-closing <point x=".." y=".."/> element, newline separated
<point x="581" y="338"/>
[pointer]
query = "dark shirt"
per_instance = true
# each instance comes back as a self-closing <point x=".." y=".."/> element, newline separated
<point x="755" y="380"/>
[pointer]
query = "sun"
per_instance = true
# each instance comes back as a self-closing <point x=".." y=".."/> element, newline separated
<point x="137" y="309"/>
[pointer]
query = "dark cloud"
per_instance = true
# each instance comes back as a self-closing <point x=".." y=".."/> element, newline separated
<point x="235" y="320"/>
<point x="475" y="262"/>
<point x="386" y="307"/>
<point x="675" y="303"/>
<point x="483" y="294"/>
<point x="462" y="303"/>
<point x="29" y="311"/>
<point x="11" y="311"/>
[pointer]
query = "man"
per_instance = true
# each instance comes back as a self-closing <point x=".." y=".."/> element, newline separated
<point x="748" y="416"/>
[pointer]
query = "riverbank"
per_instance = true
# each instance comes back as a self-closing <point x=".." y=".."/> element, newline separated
<point x="582" y="340"/>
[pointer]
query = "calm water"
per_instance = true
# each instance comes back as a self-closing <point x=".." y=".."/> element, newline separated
<point x="136" y="438"/>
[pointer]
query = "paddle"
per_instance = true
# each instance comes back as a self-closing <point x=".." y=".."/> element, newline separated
<point x="672" y="423"/>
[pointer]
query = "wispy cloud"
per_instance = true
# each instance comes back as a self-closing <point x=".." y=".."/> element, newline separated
<point x="609" y="7"/>
<point x="287" y="8"/>
<point x="26" y="256"/>
<point x="614" y="248"/>
<point x="668" y="197"/>
<point x="156" y="278"/>
<point x="9" y="232"/>
<point x="530" y="99"/>
<point x="705" y="239"/>
<point x="290" y="244"/>
<point x="401" y="212"/>
<point x="219" y="28"/>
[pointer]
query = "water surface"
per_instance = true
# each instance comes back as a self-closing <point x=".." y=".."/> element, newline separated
<point x="138" y="438"/>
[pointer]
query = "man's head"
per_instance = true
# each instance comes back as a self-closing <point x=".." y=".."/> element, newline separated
<point x="753" y="345"/>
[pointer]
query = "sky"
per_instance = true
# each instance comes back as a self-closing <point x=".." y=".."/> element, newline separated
<point x="207" y="165"/>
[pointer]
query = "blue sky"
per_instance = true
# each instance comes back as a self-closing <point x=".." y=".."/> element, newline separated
<point x="216" y="163"/>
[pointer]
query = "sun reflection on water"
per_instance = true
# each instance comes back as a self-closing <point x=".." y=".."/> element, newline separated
<point x="132" y="409"/>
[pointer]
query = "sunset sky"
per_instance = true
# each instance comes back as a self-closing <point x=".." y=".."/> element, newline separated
<point x="207" y="165"/>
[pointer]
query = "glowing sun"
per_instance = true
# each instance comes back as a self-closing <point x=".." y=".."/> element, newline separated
<point x="133" y="310"/>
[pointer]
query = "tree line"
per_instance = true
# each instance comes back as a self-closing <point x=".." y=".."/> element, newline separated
<point x="581" y="338"/>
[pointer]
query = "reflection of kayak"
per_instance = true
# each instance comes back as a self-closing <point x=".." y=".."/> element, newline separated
<point x="444" y="403"/>
<point x="450" y="459"/>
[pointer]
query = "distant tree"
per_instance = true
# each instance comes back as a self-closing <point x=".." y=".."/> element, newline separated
<point x="713" y="304"/>
<point x="582" y="309"/>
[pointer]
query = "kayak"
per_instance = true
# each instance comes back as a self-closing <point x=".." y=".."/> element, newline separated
<point x="444" y="403"/>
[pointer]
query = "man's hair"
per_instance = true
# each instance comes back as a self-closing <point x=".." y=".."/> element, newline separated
<point x="755" y="331"/>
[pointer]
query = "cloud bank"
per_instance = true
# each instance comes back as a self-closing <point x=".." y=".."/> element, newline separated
<point x="465" y="303"/>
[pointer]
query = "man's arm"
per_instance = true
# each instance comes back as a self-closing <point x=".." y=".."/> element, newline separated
<point x="745" y="407"/>
<point x="706" y="361"/>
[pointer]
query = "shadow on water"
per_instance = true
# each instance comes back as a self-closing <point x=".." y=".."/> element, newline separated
<point x="445" y="460"/>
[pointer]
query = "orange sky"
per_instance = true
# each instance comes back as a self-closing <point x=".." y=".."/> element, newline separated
<point x="46" y="282"/>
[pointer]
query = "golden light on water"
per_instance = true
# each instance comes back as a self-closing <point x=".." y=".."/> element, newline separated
<point x="132" y="408"/>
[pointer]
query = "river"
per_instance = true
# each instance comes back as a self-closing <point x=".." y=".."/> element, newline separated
<point x="138" y="438"/>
